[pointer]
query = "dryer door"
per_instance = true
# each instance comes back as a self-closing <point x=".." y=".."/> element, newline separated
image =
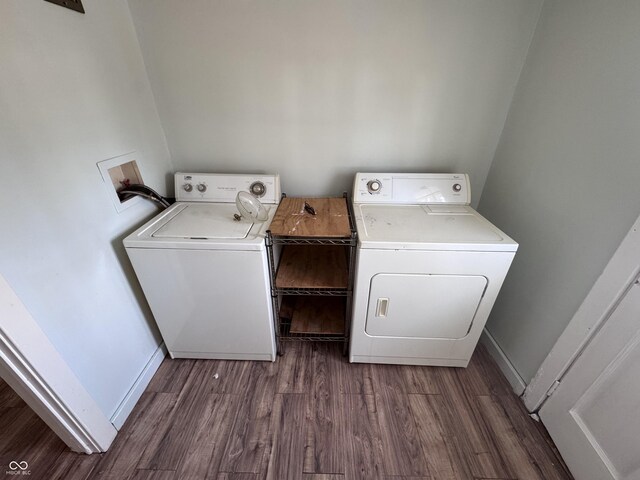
<point x="423" y="306"/>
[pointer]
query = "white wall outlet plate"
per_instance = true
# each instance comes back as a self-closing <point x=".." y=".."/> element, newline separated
<point x="117" y="172"/>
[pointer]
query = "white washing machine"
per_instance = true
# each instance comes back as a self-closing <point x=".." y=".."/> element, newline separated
<point x="429" y="269"/>
<point x="204" y="271"/>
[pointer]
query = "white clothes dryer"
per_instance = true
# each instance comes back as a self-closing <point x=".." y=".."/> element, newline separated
<point x="204" y="271"/>
<point x="428" y="269"/>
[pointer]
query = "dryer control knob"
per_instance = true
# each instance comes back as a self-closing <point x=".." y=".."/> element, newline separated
<point x="187" y="187"/>
<point x="202" y="187"/>
<point x="374" y="186"/>
<point x="457" y="187"/>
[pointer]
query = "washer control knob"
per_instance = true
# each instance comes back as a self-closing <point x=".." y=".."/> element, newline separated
<point x="258" y="189"/>
<point x="202" y="187"/>
<point x="187" y="187"/>
<point x="374" y="186"/>
<point x="457" y="187"/>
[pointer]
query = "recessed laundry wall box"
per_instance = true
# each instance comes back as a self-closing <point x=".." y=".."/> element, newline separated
<point x="119" y="172"/>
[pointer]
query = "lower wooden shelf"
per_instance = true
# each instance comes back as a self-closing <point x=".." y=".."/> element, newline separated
<point x="313" y="316"/>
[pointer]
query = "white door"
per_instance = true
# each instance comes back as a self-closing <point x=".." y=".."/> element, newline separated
<point x="594" y="414"/>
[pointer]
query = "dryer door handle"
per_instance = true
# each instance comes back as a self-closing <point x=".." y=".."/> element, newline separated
<point x="382" y="307"/>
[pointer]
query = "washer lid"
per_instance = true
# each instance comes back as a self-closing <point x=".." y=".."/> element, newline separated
<point x="442" y="227"/>
<point x="204" y="221"/>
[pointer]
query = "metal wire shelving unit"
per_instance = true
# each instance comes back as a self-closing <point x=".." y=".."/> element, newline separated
<point x="283" y="324"/>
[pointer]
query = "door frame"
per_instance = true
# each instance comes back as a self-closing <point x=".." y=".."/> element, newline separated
<point x="31" y="365"/>
<point x="603" y="298"/>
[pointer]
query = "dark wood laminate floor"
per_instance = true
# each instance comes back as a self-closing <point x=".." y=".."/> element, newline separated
<point x="24" y="437"/>
<point x="310" y="416"/>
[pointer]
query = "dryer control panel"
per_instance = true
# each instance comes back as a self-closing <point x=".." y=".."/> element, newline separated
<point x="223" y="187"/>
<point x="412" y="188"/>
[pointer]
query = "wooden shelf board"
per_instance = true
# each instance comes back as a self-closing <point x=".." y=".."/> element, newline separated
<point x="318" y="315"/>
<point x="331" y="219"/>
<point x="313" y="266"/>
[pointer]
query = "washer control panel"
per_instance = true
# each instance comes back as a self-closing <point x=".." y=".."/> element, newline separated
<point x="412" y="188"/>
<point x="223" y="188"/>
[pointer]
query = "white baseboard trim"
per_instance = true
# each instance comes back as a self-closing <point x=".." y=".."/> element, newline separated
<point x="138" y="387"/>
<point x="505" y="365"/>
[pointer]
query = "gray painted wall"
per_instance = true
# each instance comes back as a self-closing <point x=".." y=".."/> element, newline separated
<point x="566" y="175"/>
<point x="317" y="90"/>
<point x="73" y="91"/>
